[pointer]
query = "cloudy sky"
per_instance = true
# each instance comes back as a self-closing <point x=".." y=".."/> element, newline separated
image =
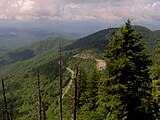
<point x="82" y="10"/>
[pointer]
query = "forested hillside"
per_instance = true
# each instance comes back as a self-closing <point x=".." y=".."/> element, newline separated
<point x="100" y="39"/>
<point x="126" y="89"/>
<point x="31" y="51"/>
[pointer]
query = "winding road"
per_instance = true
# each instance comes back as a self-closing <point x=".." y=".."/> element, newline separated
<point x="100" y="64"/>
<point x="70" y="82"/>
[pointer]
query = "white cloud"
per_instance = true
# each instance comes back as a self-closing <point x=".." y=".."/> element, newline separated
<point x="27" y="6"/>
<point x="101" y="10"/>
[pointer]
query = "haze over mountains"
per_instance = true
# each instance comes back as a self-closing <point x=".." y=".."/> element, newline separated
<point x="94" y="42"/>
<point x="26" y="39"/>
<point x="15" y="34"/>
<point x="17" y="65"/>
<point x="47" y="44"/>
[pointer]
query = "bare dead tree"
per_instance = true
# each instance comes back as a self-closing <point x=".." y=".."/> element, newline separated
<point x="3" y="114"/>
<point x="11" y="114"/>
<point x="75" y="93"/>
<point x="5" y="100"/>
<point x="44" y="111"/>
<point x="39" y="96"/>
<point x="60" y="81"/>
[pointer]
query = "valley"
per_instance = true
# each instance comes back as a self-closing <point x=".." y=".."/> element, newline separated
<point x="18" y="69"/>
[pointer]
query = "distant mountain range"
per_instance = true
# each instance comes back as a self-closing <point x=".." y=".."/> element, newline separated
<point x="100" y="39"/>
<point x="16" y="34"/>
<point x="12" y="38"/>
<point x="18" y="67"/>
<point x="31" y="51"/>
<point x="94" y="42"/>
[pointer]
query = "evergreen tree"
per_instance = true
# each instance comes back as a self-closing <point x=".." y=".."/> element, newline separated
<point x="155" y="75"/>
<point x="92" y="90"/>
<point x="90" y="106"/>
<point x="81" y="88"/>
<point x="87" y="93"/>
<point x="125" y="93"/>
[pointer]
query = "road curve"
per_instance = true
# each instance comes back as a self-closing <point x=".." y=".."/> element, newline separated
<point x="70" y="82"/>
<point x="100" y="64"/>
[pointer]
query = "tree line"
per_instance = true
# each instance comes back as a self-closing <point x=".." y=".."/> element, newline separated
<point x="129" y="86"/>
<point x="128" y="89"/>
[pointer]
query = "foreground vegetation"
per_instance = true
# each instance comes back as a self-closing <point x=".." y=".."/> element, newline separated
<point x="127" y="89"/>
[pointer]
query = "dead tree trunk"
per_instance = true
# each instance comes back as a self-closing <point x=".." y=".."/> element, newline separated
<point x="60" y="81"/>
<point x="44" y="111"/>
<point x="5" y="100"/>
<point x="3" y="114"/>
<point x="75" y="93"/>
<point x="39" y="96"/>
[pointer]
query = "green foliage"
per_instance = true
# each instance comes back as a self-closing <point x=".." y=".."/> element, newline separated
<point x="155" y="75"/>
<point x="91" y="96"/>
<point x="122" y="91"/>
<point x="100" y="39"/>
<point x="29" y="52"/>
<point x="92" y="90"/>
<point x="126" y="91"/>
<point x="97" y="40"/>
<point x="81" y="88"/>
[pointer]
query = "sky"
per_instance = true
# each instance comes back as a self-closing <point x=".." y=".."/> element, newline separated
<point x="112" y="11"/>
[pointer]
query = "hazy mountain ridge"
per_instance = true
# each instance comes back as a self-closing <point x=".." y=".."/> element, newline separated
<point x="15" y="38"/>
<point x="28" y="52"/>
<point x="96" y="41"/>
<point x="20" y="73"/>
<point x="100" y="39"/>
<point x="22" y="33"/>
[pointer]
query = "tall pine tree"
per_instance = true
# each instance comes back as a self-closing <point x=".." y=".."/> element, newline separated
<point x="155" y="75"/>
<point x="81" y="88"/>
<point x="88" y="109"/>
<point x="125" y="92"/>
